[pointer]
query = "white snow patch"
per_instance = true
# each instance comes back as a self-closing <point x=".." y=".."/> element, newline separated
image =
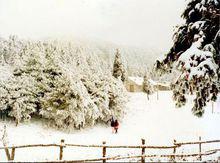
<point x="158" y="121"/>
<point x="5" y="72"/>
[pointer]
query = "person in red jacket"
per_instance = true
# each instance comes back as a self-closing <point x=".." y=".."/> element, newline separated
<point x="116" y="125"/>
<point x="112" y="124"/>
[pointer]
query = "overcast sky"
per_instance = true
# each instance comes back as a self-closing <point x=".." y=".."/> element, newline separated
<point x="140" y="23"/>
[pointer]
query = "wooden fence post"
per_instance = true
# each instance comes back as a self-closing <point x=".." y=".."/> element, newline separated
<point x="174" y="149"/>
<point x="104" y="151"/>
<point x="13" y="153"/>
<point x="143" y="151"/>
<point x="61" y="148"/>
<point x="7" y="153"/>
<point x="200" y="149"/>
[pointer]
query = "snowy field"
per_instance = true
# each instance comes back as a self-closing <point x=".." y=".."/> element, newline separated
<point x="157" y="121"/>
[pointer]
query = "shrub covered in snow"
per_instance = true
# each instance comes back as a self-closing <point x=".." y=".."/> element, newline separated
<point x="56" y="81"/>
<point x="196" y="54"/>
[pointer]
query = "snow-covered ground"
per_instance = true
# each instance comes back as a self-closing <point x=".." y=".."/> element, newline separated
<point x="157" y="121"/>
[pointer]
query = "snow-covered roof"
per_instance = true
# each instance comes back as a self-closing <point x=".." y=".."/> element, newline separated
<point x="137" y="80"/>
<point x="152" y="82"/>
<point x="140" y="80"/>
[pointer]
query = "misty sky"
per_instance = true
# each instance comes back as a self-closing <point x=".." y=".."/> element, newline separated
<point x="139" y="23"/>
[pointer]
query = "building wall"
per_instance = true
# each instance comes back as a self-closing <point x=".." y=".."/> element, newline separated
<point x="133" y="87"/>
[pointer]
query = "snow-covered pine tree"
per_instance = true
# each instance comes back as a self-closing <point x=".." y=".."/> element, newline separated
<point x="108" y="95"/>
<point x="147" y="87"/>
<point x="196" y="54"/>
<point x="118" y="67"/>
<point x="117" y="98"/>
<point x="61" y="102"/>
<point x="62" y="97"/>
<point x="18" y="95"/>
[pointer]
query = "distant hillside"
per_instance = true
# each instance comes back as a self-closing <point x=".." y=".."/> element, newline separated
<point x="136" y="60"/>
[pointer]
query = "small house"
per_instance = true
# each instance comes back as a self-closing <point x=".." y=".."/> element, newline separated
<point x="135" y="84"/>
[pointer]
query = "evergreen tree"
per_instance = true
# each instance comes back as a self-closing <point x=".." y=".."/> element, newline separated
<point x="118" y="67"/>
<point x="196" y="54"/>
<point x="147" y="86"/>
<point x="18" y="101"/>
<point x="19" y="94"/>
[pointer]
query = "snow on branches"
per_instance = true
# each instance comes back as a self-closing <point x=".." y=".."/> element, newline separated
<point x="147" y="87"/>
<point x="118" y="68"/>
<point x="196" y="54"/>
<point x="59" y="82"/>
<point x="199" y="77"/>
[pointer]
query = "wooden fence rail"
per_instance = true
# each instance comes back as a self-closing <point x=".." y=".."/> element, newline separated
<point x="89" y="146"/>
<point x="31" y="145"/>
<point x="138" y="156"/>
<point x="124" y="146"/>
<point x="173" y="156"/>
<point x="198" y="142"/>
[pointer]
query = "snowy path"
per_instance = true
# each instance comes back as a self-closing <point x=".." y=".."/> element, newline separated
<point x="155" y="120"/>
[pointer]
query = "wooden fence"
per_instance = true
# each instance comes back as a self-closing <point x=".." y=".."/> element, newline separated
<point x="10" y="150"/>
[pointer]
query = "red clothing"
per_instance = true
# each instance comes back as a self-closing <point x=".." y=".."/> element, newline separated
<point x="187" y="76"/>
<point x="116" y="125"/>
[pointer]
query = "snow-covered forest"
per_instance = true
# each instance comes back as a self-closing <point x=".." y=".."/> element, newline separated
<point x="59" y="82"/>
<point x="110" y="84"/>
